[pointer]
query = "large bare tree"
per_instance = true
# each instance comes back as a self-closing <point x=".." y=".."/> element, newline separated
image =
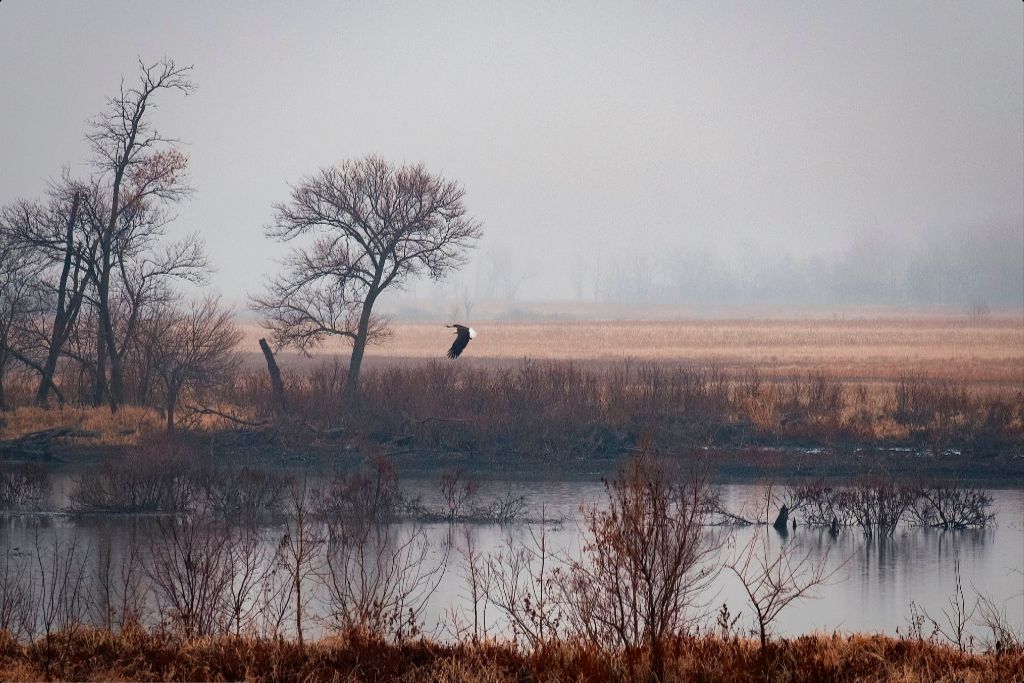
<point x="57" y="237"/>
<point x="371" y="225"/>
<point x="19" y="272"/>
<point x="139" y="173"/>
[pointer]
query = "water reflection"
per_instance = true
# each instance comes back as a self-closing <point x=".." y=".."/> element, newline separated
<point x="875" y="581"/>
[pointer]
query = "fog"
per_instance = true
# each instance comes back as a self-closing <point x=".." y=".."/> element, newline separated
<point x="707" y="155"/>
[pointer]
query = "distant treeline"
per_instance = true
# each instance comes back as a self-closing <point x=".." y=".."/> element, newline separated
<point x="973" y="270"/>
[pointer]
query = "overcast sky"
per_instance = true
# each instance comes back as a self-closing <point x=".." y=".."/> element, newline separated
<point x="601" y="128"/>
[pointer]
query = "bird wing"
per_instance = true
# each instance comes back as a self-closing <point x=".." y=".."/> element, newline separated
<point x="461" y="340"/>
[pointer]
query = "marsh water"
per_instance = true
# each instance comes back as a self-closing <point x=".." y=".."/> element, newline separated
<point x="874" y="584"/>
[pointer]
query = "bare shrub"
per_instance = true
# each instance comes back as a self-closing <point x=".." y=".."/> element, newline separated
<point x="1000" y="635"/>
<point x="459" y="493"/>
<point x="524" y="585"/>
<point x="17" y="604"/>
<point x="57" y="586"/>
<point x="370" y="494"/>
<point x="118" y="596"/>
<point x="190" y="572"/>
<point x="877" y="506"/>
<point x="246" y="494"/>
<point x="477" y="579"/>
<point x="154" y="477"/>
<point x="948" y="506"/>
<point x="250" y="561"/>
<point x="23" y="486"/>
<point x="957" y="618"/>
<point x="646" y="559"/>
<point x="773" y="581"/>
<point x="299" y="552"/>
<point x="822" y="505"/>
<point x="378" y="578"/>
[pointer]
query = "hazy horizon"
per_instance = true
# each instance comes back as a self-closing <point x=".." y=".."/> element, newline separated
<point x="724" y="156"/>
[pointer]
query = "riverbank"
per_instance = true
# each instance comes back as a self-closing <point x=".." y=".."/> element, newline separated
<point x="86" y="654"/>
<point x="273" y="449"/>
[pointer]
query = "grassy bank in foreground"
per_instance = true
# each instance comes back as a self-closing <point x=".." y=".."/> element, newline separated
<point x="95" y="655"/>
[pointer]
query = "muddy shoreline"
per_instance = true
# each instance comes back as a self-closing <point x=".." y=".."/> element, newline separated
<point x="791" y="462"/>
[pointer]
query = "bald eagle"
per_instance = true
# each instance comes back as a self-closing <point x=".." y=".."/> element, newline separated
<point x="462" y="336"/>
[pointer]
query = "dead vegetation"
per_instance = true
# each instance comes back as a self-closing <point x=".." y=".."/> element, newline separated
<point x="136" y="655"/>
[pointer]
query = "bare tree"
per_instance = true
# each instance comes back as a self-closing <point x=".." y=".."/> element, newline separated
<point x="140" y="172"/>
<point x="19" y="271"/>
<point x="773" y="581"/>
<point x="191" y="349"/>
<point x="375" y="226"/>
<point x="54" y="235"/>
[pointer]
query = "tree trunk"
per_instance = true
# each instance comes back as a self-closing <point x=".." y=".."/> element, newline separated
<point x="100" y="385"/>
<point x="358" y="347"/>
<point x="3" y="370"/>
<point x="172" y="399"/>
<point x="276" y="385"/>
<point x="782" y="521"/>
<point x="66" y="309"/>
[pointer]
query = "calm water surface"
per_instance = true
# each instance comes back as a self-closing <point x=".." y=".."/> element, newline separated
<point x="872" y="589"/>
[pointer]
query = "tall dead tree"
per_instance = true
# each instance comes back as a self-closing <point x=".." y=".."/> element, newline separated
<point x="56" y="235"/>
<point x="140" y="171"/>
<point x="276" y="384"/>
<point x="374" y="226"/>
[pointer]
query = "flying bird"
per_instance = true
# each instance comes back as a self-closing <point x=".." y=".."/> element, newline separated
<point x="462" y="336"/>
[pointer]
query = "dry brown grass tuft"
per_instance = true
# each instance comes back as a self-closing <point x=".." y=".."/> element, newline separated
<point x="122" y="428"/>
<point x="96" y="655"/>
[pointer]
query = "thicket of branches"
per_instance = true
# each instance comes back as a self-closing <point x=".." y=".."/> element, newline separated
<point x="89" y="307"/>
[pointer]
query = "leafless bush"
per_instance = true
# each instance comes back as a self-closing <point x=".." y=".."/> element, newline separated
<point x="378" y="578"/>
<point x="646" y="559"/>
<point x="957" y="619"/>
<point x="245" y="494"/>
<point x="299" y="552"/>
<point x="17" y="603"/>
<point x="57" y="586"/>
<point x="773" y="581"/>
<point x="948" y="506"/>
<point x="190" y="571"/>
<point x="155" y="477"/>
<point x="524" y="586"/>
<point x="118" y="596"/>
<point x="877" y="506"/>
<point x="23" y="486"/>
<point x="822" y="505"/>
<point x="459" y="493"/>
<point x="477" y="579"/>
<point x="370" y="494"/>
<point x="1000" y="636"/>
<point x="506" y="509"/>
<point x="250" y="561"/>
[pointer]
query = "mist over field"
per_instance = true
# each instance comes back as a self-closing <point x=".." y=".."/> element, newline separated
<point x="717" y="157"/>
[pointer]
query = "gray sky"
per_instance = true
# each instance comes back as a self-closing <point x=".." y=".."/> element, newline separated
<point x="750" y="129"/>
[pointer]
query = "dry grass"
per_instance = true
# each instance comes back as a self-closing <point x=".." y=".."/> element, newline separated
<point x="115" y="429"/>
<point x="986" y="352"/>
<point x="97" y="655"/>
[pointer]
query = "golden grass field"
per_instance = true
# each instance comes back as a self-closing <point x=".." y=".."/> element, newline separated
<point x="980" y="352"/>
